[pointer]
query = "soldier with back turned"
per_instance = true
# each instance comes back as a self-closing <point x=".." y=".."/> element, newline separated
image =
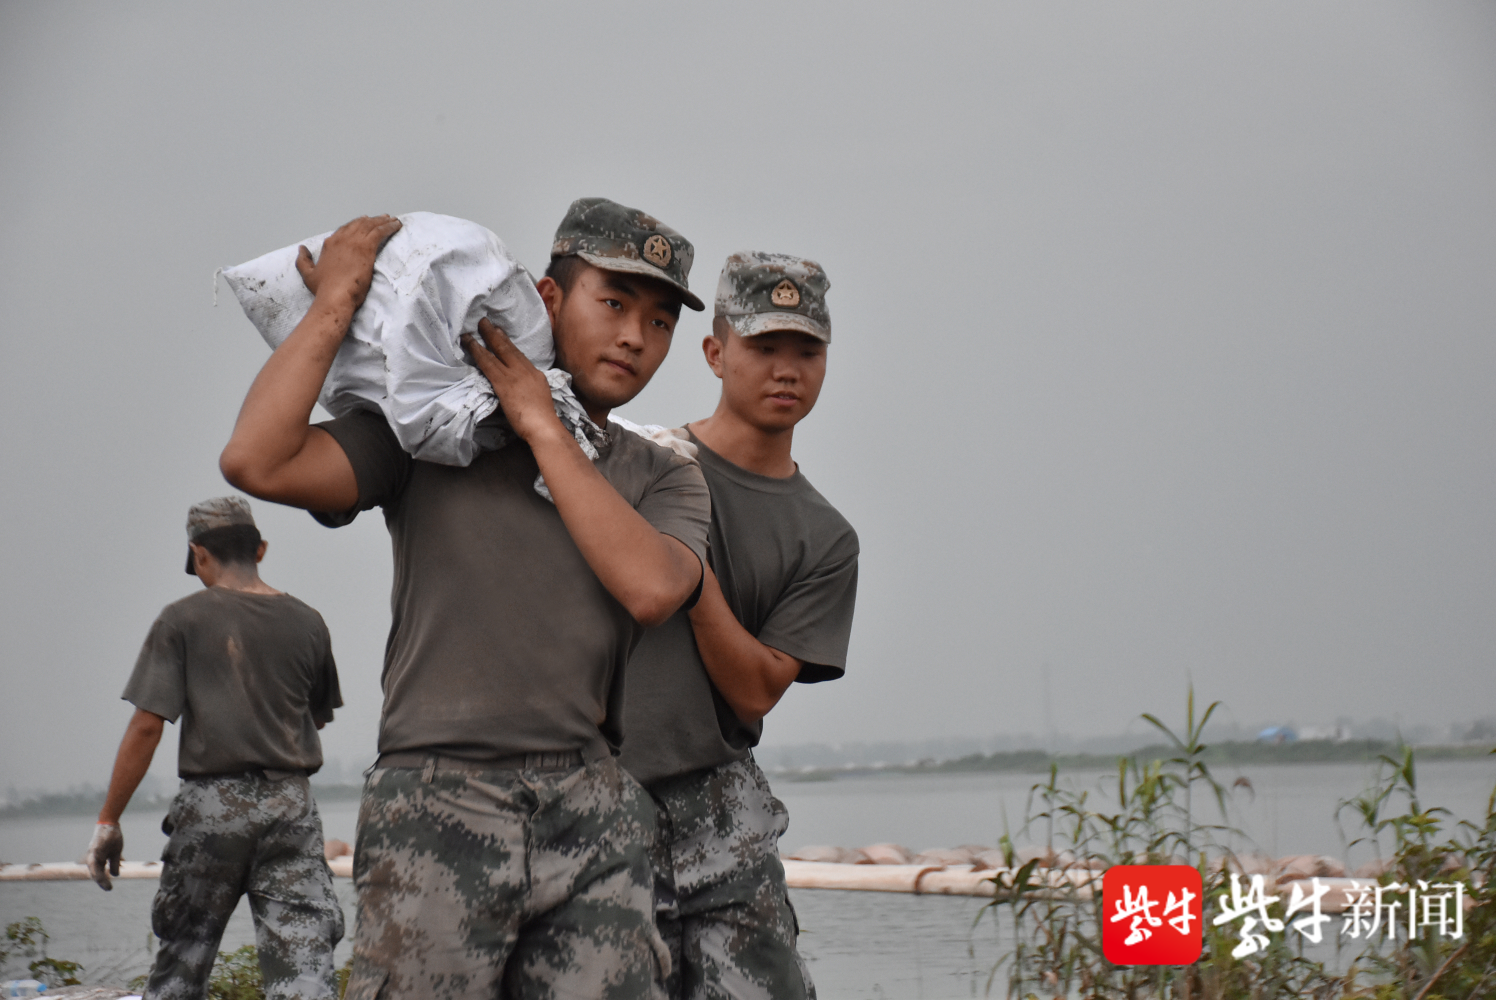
<point x="249" y="672"/>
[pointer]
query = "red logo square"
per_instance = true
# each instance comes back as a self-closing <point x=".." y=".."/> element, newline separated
<point x="1151" y="915"/>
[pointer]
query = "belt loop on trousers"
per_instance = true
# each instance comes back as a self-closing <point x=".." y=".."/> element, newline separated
<point x="428" y="774"/>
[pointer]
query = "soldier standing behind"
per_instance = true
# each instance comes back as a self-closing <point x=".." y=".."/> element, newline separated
<point x="249" y="670"/>
<point x="776" y="607"/>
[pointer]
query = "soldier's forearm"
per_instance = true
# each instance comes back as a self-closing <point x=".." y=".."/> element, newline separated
<point x="136" y="751"/>
<point x="751" y="676"/>
<point x="650" y="573"/>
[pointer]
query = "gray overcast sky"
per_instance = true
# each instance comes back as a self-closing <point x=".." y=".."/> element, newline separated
<point x="1163" y="331"/>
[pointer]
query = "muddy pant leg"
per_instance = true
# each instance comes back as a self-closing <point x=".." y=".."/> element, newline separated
<point x="298" y="921"/>
<point x="671" y="932"/>
<point x="737" y="929"/>
<point x="667" y="912"/>
<point x="591" y="930"/>
<point x="188" y="916"/>
<point x="212" y="826"/>
<point x="594" y="945"/>
<point x="738" y="940"/>
<point x="440" y="873"/>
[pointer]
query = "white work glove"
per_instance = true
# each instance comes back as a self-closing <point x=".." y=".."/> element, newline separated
<point x="104" y="850"/>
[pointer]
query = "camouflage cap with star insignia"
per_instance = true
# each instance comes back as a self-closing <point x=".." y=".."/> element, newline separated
<point x="616" y="238"/>
<point x="761" y="292"/>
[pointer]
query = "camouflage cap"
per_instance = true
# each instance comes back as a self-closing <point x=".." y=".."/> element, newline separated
<point x="608" y="235"/>
<point x="759" y="292"/>
<point x="219" y="512"/>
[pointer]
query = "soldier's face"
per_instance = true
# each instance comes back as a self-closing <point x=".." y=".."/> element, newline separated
<point x="772" y="380"/>
<point x="612" y="332"/>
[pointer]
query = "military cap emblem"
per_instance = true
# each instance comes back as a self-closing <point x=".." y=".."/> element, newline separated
<point x="785" y="295"/>
<point x="657" y="250"/>
<point x="615" y="237"/>
<point x="766" y="292"/>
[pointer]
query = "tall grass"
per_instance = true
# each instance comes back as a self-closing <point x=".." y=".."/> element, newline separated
<point x="1056" y="923"/>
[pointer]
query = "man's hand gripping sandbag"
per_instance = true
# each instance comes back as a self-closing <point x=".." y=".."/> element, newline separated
<point x="433" y="281"/>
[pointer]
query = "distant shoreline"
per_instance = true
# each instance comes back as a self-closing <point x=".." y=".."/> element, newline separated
<point x="1228" y="753"/>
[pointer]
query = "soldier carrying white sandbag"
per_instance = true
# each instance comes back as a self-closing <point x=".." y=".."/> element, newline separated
<point x="501" y="849"/>
<point x="434" y="279"/>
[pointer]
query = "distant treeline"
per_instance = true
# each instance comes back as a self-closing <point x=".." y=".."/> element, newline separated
<point x="82" y="803"/>
<point x="1226" y="752"/>
<point x="89" y="801"/>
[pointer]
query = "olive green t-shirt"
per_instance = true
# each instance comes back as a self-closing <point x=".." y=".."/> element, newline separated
<point x="250" y="676"/>
<point x="787" y="564"/>
<point x="503" y="640"/>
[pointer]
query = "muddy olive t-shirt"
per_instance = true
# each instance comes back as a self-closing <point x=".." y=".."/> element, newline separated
<point x="503" y="640"/>
<point x="787" y="564"/>
<point x="250" y="676"/>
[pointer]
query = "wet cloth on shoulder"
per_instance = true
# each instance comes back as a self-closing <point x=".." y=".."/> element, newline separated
<point x="787" y="564"/>
<point x="502" y="639"/>
<point x="249" y="675"/>
<point x="433" y="281"/>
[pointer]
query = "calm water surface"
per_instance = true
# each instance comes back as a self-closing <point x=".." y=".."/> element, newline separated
<point x="858" y="944"/>
<point x="1289" y="809"/>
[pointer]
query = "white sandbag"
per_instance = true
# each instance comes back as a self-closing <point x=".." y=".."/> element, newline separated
<point x="433" y="281"/>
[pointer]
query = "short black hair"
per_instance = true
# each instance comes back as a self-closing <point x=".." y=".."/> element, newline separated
<point x="231" y="544"/>
<point x="565" y="270"/>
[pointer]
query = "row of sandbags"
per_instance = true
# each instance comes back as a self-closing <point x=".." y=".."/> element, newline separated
<point x="979" y="857"/>
<point x="1301" y="866"/>
<point x="1285" y="869"/>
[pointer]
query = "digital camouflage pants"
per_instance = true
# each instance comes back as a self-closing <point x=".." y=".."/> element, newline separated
<point x="521" y="883"/>
<point x="722" y="904"/>
<point x="245" y="834"/>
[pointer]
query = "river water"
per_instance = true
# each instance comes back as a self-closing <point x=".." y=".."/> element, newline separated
<point x="858" y="944"/>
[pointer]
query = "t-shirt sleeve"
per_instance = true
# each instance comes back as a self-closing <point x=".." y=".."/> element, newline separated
<point x="159" y="682"/>
<point x="326" y="694"/>
<point x="679" y="505"/>
<point x="380" y="465"/>
<point x="813" y="619"/>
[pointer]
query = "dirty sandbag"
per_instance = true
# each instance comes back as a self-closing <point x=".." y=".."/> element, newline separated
<point x="433" y="281"/>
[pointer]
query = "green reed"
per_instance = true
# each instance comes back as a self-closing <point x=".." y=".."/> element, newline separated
<point x="1056" y="921"/>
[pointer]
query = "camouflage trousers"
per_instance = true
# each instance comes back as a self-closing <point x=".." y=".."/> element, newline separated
<point x="520" y="883"/>
<point x="245" y="834"/>
<point x="721" y="900"/>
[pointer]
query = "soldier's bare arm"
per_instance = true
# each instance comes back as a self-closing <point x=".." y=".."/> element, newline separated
<point x="751" y="676"/>
<point x="136" y="751"/>
<point x="650" y="573"/>
<point x="274" y="453"/>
